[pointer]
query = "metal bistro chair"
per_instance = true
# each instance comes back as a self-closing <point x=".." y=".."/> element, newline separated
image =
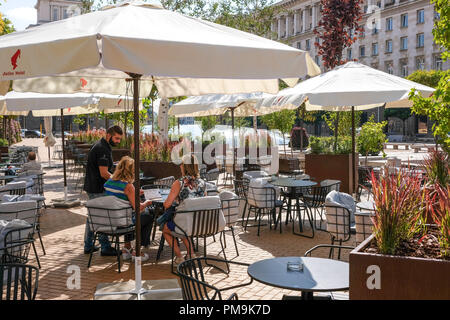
<point x="339" y="225"/>
<point x="112" y="222"/>
<point x="166" y="182"/>
<point x="22" y="210"/>
<point x="18" y="282"/>
<point x="193" y="280"/>
<point x="363" y="225"/>
<point x="16" y="245"/>
<point x="241" y="189"/>
<point x="211" y="175"/>
<point x="263" y="200"/>
<point x="205" y="223"/>
<point x="230" y="209"/>
<point x="17" y="188"/>
<point x="332" y="185"/>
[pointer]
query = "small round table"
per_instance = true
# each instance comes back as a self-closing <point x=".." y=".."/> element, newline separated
<point x="318" y="274"/>
<point x="366" y="205"/>
<point x="292" y="186"/>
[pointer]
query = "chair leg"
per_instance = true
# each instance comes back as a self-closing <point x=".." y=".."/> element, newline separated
<point x="40" y="238"/>
<point x="92" y="250"/>
<point x="160" y="248"/>
<point x="118" y="251"/>
<point x="35" y="253"/>
<point x="224" y="254"/>
<point x="234" y="239"/>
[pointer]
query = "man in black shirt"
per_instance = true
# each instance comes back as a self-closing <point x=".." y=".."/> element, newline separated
<point x="98" y="170"/>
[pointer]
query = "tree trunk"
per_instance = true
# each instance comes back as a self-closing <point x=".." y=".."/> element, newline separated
<point x="336" y="130"/>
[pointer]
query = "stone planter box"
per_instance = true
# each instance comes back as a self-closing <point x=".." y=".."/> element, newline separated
<point x="117" y="154"/>
<point x="384" y="277"/>
<point x="159" y="169"/>
<point x="331" y="166"/>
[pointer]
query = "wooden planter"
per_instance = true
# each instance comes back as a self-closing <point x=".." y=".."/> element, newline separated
<point x="287" y="165"/>
<point x="331" y="166"/>
<point x="117" y="154"/>
<point x="4" y="149"/>
<point x="159" y="169"/>
<point x="384" y="277"/>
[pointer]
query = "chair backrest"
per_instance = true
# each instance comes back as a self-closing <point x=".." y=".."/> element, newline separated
<point x="241" y="188"/>
<point x="106" y="214"/>
<point x="363" y="225"/>
<point x="200" y="217"/>
<point x="261" y="194"/>
<point x="167" y="181"/>
<point x="211" y="175"/>
<point x="18" y="282"/>
<point x="316" y="196"/>
<point x="331" y="184"/>
<point x="23" y="210"/>
<point x="338" y="222"/>
<point x="193" y="281"/>
<point x="230" y="207"/>
<point x="15" y="187"/>
<point x="15" y="244"/>
<point x="254" y="174"/>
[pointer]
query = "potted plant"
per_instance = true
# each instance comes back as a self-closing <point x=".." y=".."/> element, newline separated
<point x="371" y="138"/>
<point x="404" y="258"/>
<point x="331" y="160"/>
<point x="4" y="146"/>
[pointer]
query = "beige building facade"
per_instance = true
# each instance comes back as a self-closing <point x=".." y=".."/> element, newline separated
<point x="397" y="36"/>
<point x="53" y="10"/>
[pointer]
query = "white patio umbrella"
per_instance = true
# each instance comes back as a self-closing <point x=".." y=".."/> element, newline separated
<point x="142" y="39"/>
<point x="352" y="86"/>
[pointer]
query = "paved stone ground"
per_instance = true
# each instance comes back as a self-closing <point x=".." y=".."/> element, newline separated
<point x="63" y="232"/>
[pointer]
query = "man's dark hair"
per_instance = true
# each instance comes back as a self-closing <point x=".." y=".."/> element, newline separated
<point x="114" y="130"/>
<point x="31" y="156"/>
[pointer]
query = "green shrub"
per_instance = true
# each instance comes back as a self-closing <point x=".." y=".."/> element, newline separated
<point x="3" y="142"/>
<point x="325" y="145"/>
<point x="371" y="137"/>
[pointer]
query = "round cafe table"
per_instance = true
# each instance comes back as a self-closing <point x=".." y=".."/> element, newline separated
<point x="317" y="275"/>
<point x="293" y="193"/>
<point x="366" y="205"/>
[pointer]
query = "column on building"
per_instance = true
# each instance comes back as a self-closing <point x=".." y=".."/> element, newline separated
<point x="287" y="26"/>
<point x="279" y="28"/>
<point x="314" y="23"/>
<point x="295" y="22"/>
<point x="304" y="19"/>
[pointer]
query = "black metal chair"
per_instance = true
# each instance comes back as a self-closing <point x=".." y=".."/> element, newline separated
<point x="193" y="280"/>
<point x="23" y="210"/>
<point x="339" y="225"/>
<point x="167" y="181"/>
<point x="230" y="209"/>
<point x="205" y="223"/>
<point x="261" y="201"/>
<point x="364" y="181"/>
<point x="113" y="223"/>
<point x="241" y="189"/>
<point x="18" y="282"/>
<point x="363" y="226"/>
<point x="211" y="175"/>
<point x="16" y="245"/>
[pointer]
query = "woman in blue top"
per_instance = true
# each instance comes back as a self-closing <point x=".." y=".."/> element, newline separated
<point x="188" y="186"/>
<point x="121" y="185"/>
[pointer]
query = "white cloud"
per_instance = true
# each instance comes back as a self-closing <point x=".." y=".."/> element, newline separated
<point x="21" y="17"/>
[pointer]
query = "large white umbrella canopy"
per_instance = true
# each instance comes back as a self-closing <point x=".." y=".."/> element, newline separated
<point x="216" y="104"/>
<point x="352" y="84"/>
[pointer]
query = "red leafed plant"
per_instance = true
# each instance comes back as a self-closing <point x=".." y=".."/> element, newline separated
<point x="337" y="29"/>
<point x="439" y="206"/>
<point x="399" y="202"/>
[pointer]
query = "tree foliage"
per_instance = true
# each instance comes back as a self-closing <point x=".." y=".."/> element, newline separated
<point x="345" y="121"/>
<point x="338" y="29"/>
<point x="437" y="107"/>
<point x="6" y="25"/>
<point x="428" y="78"/>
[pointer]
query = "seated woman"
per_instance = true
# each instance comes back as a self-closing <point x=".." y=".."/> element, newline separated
<point x="188" y="186"/>
<point x="121" y="185"/>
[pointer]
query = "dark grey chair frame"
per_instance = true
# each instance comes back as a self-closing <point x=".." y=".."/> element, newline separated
<point x="18" y="282"/>
<point x="228" y="206"/>
<point x="269" y="206"/>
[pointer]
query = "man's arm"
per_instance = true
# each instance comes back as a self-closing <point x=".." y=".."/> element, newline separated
<point x="104" y="172"/>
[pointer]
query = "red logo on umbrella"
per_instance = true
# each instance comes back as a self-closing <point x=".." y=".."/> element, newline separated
<point x="118" y="103"/>
<point x="83" y="83"/>
<point x="14" y="59"/>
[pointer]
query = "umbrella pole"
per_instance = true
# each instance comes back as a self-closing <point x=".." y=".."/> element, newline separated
<point x="232" y="144"/>
<point x="64" y="155"/>
<point x="353" y="151"/>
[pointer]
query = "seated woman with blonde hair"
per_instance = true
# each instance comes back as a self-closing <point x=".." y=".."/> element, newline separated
<point x="121" y="185"/>
<point x="188" y="186"/>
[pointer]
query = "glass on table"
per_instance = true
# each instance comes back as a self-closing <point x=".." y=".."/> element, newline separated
<point x="294" y="266"/>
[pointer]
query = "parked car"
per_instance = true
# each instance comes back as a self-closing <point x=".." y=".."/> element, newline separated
<point x="57" y="134"/>
<point x="33" y="134"/>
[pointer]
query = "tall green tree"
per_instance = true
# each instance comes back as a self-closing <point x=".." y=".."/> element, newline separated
<point x="437" y="107"/>
<point x="282" y="120"/>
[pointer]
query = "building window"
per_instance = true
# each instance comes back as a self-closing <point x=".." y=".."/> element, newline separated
<point x="310" y="12"/>
<point x="421" y="16"/>
<point x="388" y="46"/>
<point x="308" y="45"/>
<point x="420" y="40"/>
<point x="55" y="10"/>
<point x="65" y="14"/>
<point x="438" y="62"/>
<point x="404" y="20"/>
<point x="389" y="24"/>
<point x="374" y="28"/>
<point x="299" y="45"/>
<point x="379" y="4"/>
<point x="404" y="68"/>
<point x="374" y="49"/>
<point x="389" y="68"/>
<point x="362" y="51"/>
<point x="362" y="34"/>
<point x="365" y="8"/>
<point x="420" y="63"/>
<point x="349" y="54"/>
<point x="317" y="60"/>
<point x="404" y="43"/>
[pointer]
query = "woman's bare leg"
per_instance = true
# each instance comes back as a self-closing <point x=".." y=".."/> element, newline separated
<point x="170" y="240"/>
